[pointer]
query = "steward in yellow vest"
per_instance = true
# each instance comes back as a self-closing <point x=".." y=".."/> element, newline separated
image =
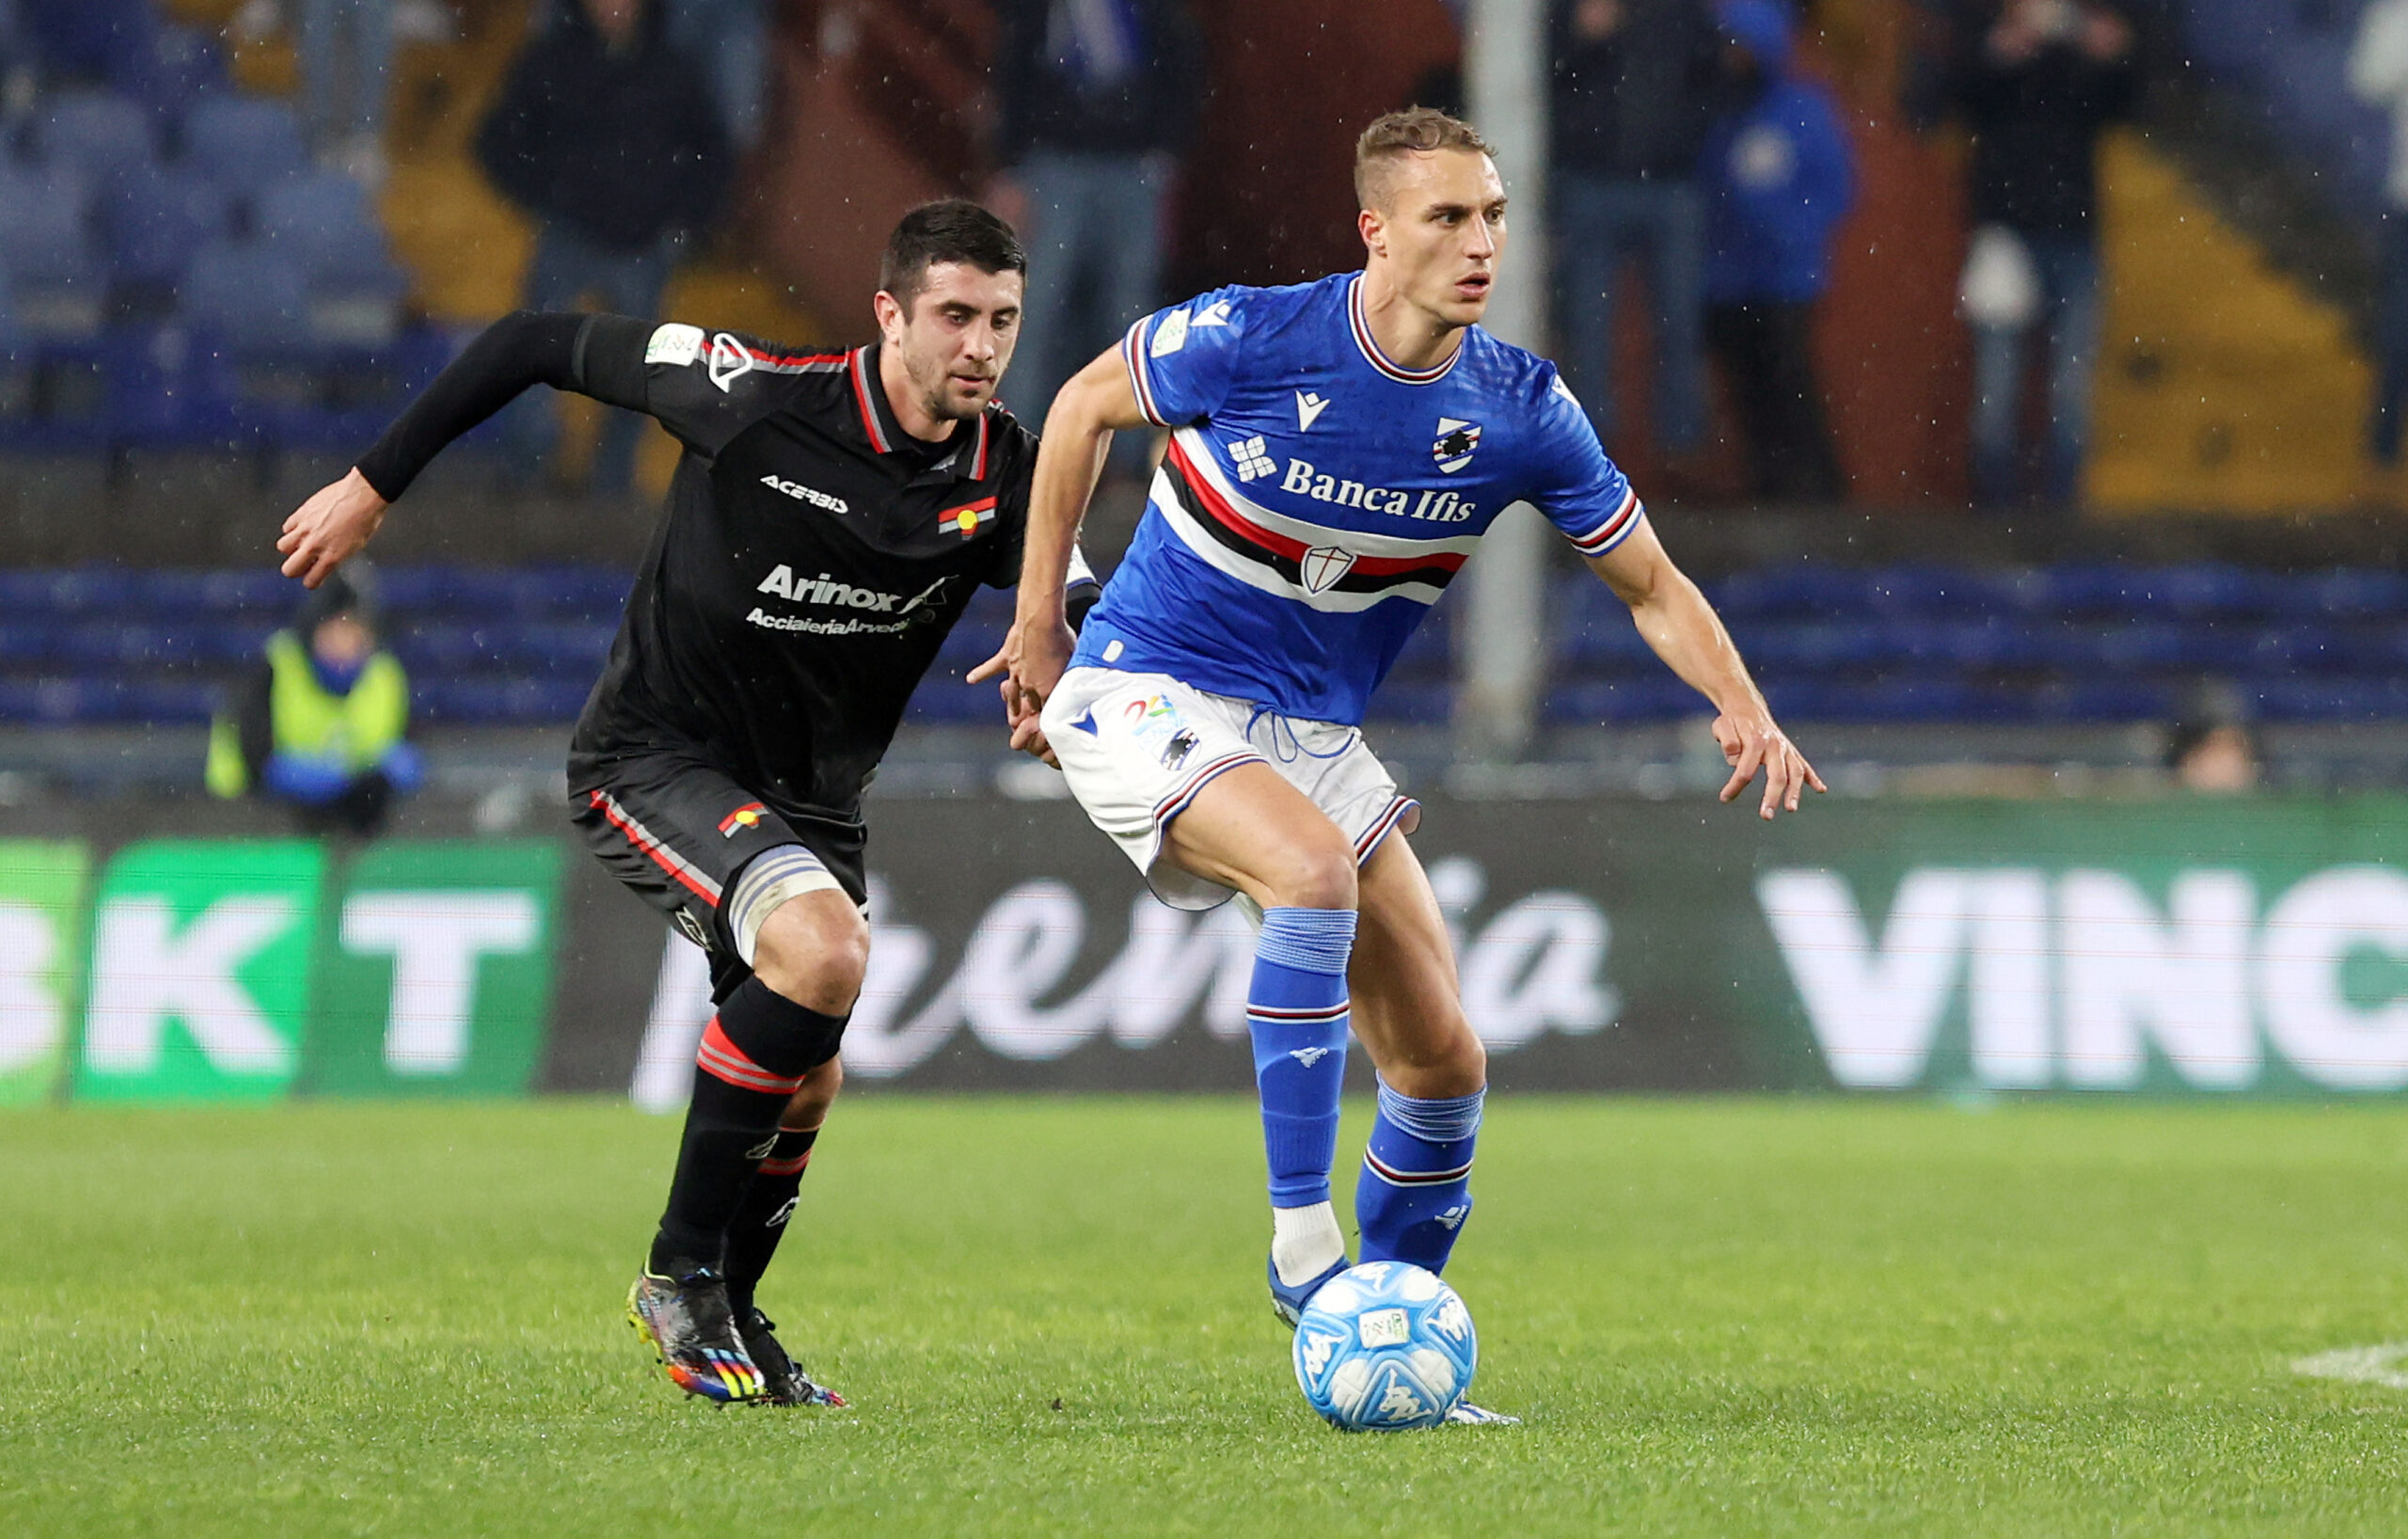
<point x="322" y="725"/>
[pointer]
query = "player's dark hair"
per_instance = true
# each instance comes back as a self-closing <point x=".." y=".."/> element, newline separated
<point x="1392" y="138"/>
<point x="949" y="229"/>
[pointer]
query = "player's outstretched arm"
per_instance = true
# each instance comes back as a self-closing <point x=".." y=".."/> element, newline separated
<point x="1686" y="634"/>
<point x="1079" y="425"/>
<point x="520" y="350"/>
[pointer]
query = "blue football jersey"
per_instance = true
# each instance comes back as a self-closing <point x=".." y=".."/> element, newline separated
<point x="1318" y="498"/>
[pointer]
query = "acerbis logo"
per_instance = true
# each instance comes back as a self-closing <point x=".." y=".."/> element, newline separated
<point x="729" y="361"/>
<point x="802" y="493"/>
<point x="826" y="589"/>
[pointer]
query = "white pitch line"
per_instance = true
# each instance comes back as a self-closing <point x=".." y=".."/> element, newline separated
<point x="2359" y="1365"/>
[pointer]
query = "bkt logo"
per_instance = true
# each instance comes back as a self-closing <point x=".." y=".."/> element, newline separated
<point x="824" y="590"/>
<point x="802" y="493"/>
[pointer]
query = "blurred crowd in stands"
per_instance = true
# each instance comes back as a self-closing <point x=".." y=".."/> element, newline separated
<point x="187" y="263"/>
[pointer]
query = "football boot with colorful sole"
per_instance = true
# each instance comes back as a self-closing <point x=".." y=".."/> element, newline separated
<point x="686" y="1319"/>
<point x="782" y="1382"/>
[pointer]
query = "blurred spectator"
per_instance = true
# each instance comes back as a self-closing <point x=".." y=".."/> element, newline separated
<point x="346" y="56"/>
<point x="608" y="138"/>
<point x="2037" y="80"/>
<point x="322" y="725"/>
<point x="729" y="40"/>
<point x="1778" y="175"/>
<point x="1634" y="89"/>
<point x="2210" y="747"/>
<point x="1096" y="101"/>
<point x="2379" y="75"/>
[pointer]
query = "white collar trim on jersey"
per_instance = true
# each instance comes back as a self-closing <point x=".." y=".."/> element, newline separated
<point x="1371" y="346"/>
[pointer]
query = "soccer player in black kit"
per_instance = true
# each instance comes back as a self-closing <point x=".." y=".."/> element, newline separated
<point x="830" y="519"/>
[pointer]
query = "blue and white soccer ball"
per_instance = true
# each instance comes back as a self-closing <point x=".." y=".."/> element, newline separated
<point x="1384" y="1347"/>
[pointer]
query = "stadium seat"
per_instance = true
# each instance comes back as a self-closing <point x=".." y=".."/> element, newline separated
<point x="1655" y="699"/>
<point x="100" y="136"/>
<point x="169" y="72"/>
<point x="167" y="701"/>
<point x="155" y="220"/>
<point x="245" y="144"/>
<point x="526" y="701"/>
<point x="89" y="39"/>
<point x="174" y="594"/>
<point x="2359" y="593"/>
<point x="55" y="276"/>
<point x="246" y="297"/>
<point x="322" y="222"/>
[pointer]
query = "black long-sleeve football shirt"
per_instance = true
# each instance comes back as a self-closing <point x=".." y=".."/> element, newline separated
<point x="810" y="561"/>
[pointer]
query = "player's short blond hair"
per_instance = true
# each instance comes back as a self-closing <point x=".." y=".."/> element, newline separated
<point x="1388" y="140"/>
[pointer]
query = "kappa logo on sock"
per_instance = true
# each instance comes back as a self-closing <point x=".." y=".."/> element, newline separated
<point x="1310" y="1055"/>
<point x="1453" y="1217"/>
<point x="764" y="1148"/>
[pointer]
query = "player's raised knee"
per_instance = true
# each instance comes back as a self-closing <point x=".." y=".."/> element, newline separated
<point x="814" y="949"/>
<point x="1315" y="875"/>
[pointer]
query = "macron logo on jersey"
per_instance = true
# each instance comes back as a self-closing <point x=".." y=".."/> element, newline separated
<point x="1214" y="314"/>
<point x="1309" y="405"/>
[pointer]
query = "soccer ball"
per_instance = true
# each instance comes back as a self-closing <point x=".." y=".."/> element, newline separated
<point x="1384" y="1347"/>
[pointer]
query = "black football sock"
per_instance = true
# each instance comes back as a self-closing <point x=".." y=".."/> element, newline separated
<point x="754" y="1057"/>
<point x="762" y="1214"/>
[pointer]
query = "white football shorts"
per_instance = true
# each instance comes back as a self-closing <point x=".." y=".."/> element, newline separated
<point x="1136" y="748"/>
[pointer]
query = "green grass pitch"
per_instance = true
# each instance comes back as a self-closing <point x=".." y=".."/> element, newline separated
<point x="1719" y="1317"/>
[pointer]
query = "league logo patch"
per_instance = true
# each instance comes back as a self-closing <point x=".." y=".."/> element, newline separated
<point x="1324" y="565"/>
<point x="746" y="816"/>
<point x="1456" y="441"/>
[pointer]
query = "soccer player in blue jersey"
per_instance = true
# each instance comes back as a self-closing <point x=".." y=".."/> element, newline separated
<point x="1337" y="449"/>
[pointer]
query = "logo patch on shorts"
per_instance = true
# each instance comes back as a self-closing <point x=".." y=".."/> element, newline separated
<point x="1182" y="744"/>
<point x="746" y="816"/>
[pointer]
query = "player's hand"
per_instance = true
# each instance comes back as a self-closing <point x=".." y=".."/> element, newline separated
<point x="329" y="528"/>
<point x="1036" y="657"/>
<point x="1753" y="742"/>
<point x="1021" y="708"/>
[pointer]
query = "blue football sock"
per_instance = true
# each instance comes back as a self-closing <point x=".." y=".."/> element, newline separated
<point x="1296" y="1015"/>
<point x="1416" y="1189"/>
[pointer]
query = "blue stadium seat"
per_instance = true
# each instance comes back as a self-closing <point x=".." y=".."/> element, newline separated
<point x="947" y="700"/>
<point x="558" y="648"/>
<point x="261" y="589"/>
<point x="2348" y="592"/>
<point x="25" y="641"/>
<point x="438" y="649"/>
<point x="156" y="220"/>
<point x="1811" y="646"/>
<point x="324" y="222"/>
<point x="1658" y="698"/>
<point x="100" y="136"/>
<point x="55" y="276"/>
<point x="2215" y="590"/>
<point x="1934" y="591"/>
<point x="224" y="642"/>
<point x="169" y="72"/>
<point x="2345" y="699"/>
<point x="246" y="297"/>
<point x="55" y="701"/>
<point x="2095" y="700"/>
<point x="524" y="701"/>
<point x="1400" y="703"/>
<point x="170" y="702"/>
<point x="88" y="37"/>
<point x="1803" y="591"/>
<point x="245" y="144"/>
<point x="103" y="645"/>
